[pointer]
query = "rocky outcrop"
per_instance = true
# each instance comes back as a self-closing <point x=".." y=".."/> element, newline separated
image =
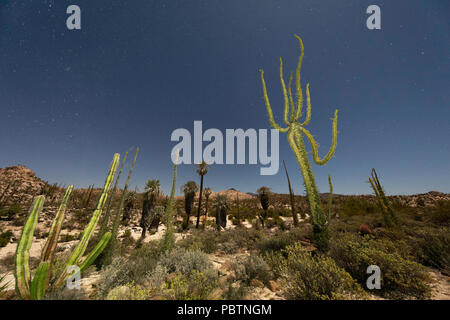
<point x="19" y="184"/>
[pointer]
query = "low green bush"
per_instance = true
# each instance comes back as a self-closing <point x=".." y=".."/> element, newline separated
<point x="233" y="240"/>
<point x="198" y="285"/>
<point x="134" y="269"/>
<point x="251" y="267"/>
<point x="235" y="292"/>
<point x="431" y="247"/>
<point x="357" y="206"/>
<point x="400" y="277"/>
<point x="5" y="238"/>
<point x="281" y="240"/>
<point x="184" y="274"/>
<point x="318" y="277"/>
<point x="10" y="213"/>
<point x="3" y="285"/>
<point x="204" y="240"/>
<point x="439" y="214"/>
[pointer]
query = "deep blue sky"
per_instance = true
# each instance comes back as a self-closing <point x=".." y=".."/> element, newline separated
<point x="140" y="69"/>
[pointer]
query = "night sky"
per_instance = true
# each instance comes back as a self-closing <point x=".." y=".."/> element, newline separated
<point x="137" y="70"/>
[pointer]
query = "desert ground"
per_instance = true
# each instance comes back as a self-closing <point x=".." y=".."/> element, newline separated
<point x="243" y="259"/>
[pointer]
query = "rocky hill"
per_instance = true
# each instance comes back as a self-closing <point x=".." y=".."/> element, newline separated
<point x="19" y="183"/>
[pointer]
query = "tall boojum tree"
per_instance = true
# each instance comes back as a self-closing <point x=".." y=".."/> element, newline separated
<point x="295" y="132"/>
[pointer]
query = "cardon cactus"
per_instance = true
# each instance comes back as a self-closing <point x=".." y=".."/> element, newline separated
<point x="36" y="288"/>
<point x="295" y="132"/>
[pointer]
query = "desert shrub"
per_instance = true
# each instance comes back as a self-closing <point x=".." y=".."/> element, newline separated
<point x="400" y="277"/>
<point x="5" y="237"/>
<point x="3" y="285"/>
<point x="280" y="240"/>
<point x="114" y="275"/>
<point x="235" y="221"/>
<point x="357" y="206"/>
<point x="243" y="213"/>
<point x="315" y="277"/>
<point x="284" y="212"/>
<point x="127" y="238"/>
<point x="66" y="294"/>
<point x="81" y="216"/>
<point x="275" y="261"/>
<point x="7" y="262"/>
<point x="185" y="261"/>
<point x="282" y="225"/>
<point x="431" y="247"/>
<point x="67" y="237"/>
<point x="197" y="286"/>
<point x="184" y="274"/>
<point x="204" y="240"/>
<point x="230" y="247"/>
<point x="251" y="267"/>
<point x="130" y="291"/>
<point x="9" y="213"/>
<point x="135" y="269"/>
<point x="275" y="243"/>
<point x="236" y="291"/>
<point x="272" y="222"/>
<point x="234" y="239"/>
<point x="19" y="220"/>
<point x="439" y="214"/>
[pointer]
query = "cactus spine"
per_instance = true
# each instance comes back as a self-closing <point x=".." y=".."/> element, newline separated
<point x="35" y="289"/>
<point x="295" y="132"/>
<point x="168" y="240"/>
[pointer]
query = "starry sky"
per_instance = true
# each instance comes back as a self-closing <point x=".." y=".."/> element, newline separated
<point x="137" y="70"/>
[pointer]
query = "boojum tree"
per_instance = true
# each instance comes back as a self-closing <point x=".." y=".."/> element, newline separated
<point x="295" y="132"/>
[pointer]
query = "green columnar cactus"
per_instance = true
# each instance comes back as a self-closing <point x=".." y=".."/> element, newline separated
<point x="21" y="258"/>
<point x="116" y="221"/>
<point x="105" y="222"/>
<point x="168" y="240"/>
<point x="390" y="219"/>
<point x="79" y="250"/>
<point x="295" y="131"/>
<point x="50" y="245"/>
<point x="35" y="289"/>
